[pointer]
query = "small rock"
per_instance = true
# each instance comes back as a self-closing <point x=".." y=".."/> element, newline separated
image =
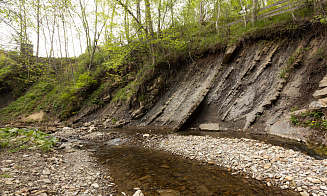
<point x="267" y="166"/>
<point x="138" y="193"/>
<point x="46" y="171"/>
<point x="95" y="185"/>
<point x="47" y="180"/>
<point x="289" y="178"/>
<point x="146" y="135"/>
<point x="165" y="166"/>
<point x="5" y="169"/>
<point x="204" y="188"/>
<point x="244" y="181"/>
<point x="313" y="180"/>
<point x="183" y="188"/>
<point x="144" y="177"/>
<point x="9" y="181"/>
<point x="304" y="193"/>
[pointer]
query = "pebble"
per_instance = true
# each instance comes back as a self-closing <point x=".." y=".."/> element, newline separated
<point x="304" y="193"/>
<point x="313" y="180"/>
<point x="95" y="185"/>
<point x="267" y="166"/>
<point x="46" y="171"/>
<point x="289" y="178"/>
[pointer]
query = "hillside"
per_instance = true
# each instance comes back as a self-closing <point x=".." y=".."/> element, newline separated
<point x="261" y="80"/>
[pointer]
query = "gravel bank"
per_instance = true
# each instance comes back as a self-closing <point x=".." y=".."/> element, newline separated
<point x="67" y="170"/>
<point x="278" y="166"/>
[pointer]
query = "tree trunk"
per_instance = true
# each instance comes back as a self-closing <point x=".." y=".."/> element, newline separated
<point x="254" y="11"/>
<point x="201" y="14"/>
<point x="37" y="32"/>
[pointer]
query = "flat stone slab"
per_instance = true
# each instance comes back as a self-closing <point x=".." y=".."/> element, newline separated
<point x="323" y="82"/>
<point x="209" y="127"/>
<point x="320" y="93"/>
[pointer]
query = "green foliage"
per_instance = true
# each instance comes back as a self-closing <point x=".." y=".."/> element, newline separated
<point x="313" y="120"/>
<point x="85" y="79"/>
<point x="125" y="93"/>
<point x="141" y="98"/>
<point x="113" y="121"/>
<point x="283" y="73"/>
<point x="5" y="175"/>
<point x="16" y="139"/>
<point x="294" y="108"/>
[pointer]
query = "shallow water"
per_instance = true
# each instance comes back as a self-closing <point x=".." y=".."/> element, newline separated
<point x="267" y="138"/>
<point x="153" y="172"/>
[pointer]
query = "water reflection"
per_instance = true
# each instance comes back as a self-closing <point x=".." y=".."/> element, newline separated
<point x="160" y="173"/>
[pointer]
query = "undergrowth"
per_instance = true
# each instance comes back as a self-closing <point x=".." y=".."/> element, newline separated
<point x="311" y="119"/>
<point x="17" y="139"/>
<point x="64" y="95"/>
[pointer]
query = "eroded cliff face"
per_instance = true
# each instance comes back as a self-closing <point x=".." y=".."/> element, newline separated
<point x="250" y="87"/>
<point x="257" y="88"/>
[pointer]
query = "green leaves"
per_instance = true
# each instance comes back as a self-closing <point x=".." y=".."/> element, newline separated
<point x="16" y="139"/>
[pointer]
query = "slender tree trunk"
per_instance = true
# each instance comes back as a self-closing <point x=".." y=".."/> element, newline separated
<point x="149" y="28"/>
<point x="290" y="5"/>
<point x="60" y="50"/>
<point x="243" y="13"/>
<point x="126" y="23"/>
<point x="37" y="32"/>
<point x="218" y="18"/>
<point x="159" y="19"/>
<point x="254" y="11"/>
<point x="112" y="20"/>
<point x="201" y="14"/>
<point x="95" y="41"/>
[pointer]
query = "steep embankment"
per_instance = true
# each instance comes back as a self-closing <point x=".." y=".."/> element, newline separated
<point x="250" y="87"/>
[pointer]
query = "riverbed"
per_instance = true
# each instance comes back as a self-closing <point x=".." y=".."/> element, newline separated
<point x="174" y="164"/>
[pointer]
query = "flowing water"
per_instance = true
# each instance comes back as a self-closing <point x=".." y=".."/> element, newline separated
<point x="161" y="173"/>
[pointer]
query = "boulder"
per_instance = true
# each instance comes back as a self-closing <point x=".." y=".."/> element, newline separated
<point x="229" y="53"/>
<point x="320" y="93"/>
<point x="323" y="101"/>
<point x="209" y="127"/>
<point x="316" y="105"/>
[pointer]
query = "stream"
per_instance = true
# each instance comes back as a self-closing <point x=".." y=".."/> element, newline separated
<point x="162" y="173"/>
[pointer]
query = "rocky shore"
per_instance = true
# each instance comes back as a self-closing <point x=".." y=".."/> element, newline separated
<point x="275" y="165"/>
<point x="70" y="170"/>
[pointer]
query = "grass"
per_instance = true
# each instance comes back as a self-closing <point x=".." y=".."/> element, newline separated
<point x="283" y="73"/>
<point x="17" y="139"/>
